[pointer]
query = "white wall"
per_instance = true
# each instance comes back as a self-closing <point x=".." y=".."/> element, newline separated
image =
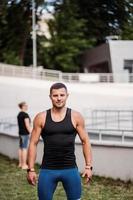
<point x="115" y="52"/>
<point x="109" y="161"/>
<point x="119" y="51"/>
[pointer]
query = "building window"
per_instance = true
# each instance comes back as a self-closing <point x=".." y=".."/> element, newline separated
<point x="128" y="64"/>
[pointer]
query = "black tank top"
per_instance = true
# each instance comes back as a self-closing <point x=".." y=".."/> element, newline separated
<point x="59" y="142"/>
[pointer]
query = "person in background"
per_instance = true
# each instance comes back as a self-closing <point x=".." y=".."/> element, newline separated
<point x="58" y="127"/>
<point x="24" y="127"/>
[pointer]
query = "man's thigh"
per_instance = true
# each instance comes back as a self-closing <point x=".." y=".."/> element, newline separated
<point x="46" y="184"/>
<point x="72" y="184"/>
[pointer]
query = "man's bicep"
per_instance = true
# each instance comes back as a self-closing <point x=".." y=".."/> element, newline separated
<point x="36" y="132"/>
<point x="81" y="127"/>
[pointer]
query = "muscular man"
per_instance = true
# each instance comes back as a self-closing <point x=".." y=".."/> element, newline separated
<point x="58" y="127"/>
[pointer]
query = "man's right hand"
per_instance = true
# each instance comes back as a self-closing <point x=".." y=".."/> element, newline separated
<point x="32" y="177"/>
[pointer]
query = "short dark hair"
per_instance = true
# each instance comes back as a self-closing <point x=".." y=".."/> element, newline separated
<point x="58" y="86"/>
<point x="21" y="104"/>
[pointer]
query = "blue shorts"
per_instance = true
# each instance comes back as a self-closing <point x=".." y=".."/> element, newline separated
<point x="23" y="141"/>
<point x="48" y="180"/>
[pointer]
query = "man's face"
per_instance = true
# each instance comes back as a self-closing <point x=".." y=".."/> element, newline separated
<point x="59" y="97"/>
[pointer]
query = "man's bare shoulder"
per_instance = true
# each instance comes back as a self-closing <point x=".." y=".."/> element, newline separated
<point x="40" y="118"/>
<point x="41" y="115"/>
<point x="76" y="115"/>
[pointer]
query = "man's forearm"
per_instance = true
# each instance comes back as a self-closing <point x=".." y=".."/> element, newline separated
<point x="31" y="155"/>
<point x="87" y="153"/>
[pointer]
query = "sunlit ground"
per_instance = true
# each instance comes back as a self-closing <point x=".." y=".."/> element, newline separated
<point x="14" y="186"/>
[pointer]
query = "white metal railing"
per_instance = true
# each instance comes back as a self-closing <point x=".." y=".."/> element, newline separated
<point x="109" y="119"/>
<point x="111" y="135"/>
<point x="115" y="135"/>
<point x="110" y="125"/>
<point x="47" y="74"/>
<point x="36" y="73"/>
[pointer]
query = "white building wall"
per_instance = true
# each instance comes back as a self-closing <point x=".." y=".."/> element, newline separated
<point x="114" y="52"/>
<point x="119" y="51"/>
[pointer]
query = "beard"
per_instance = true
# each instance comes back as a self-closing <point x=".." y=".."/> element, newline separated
<point x="59" y="105"/>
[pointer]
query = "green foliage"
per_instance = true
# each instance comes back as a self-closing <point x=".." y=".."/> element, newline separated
<point x="15" y="30"/>
<point x="127" y="31"/>
<point x="16" y="27"/>
<point x="77" y="26"/>
<point x="10" y="57"/>
<point x="67" y="40"/>
<point x="105" y="17"/>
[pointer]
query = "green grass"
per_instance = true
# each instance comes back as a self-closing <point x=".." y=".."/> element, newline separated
<point x="14" y="186"/>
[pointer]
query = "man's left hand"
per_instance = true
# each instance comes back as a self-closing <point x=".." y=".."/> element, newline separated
<point x="88" y="175"/>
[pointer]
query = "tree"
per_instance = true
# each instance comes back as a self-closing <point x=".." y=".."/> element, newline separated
<point x="67" y="40"/>
<point x="77" y="26"/>
<point x="105" y="17"/>
<point x="127" y="29"/>
<point x="15" y="32"/>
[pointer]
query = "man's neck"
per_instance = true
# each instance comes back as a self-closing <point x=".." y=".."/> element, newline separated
<point x="58" y="114"/>
<point x="58" y="110"/>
